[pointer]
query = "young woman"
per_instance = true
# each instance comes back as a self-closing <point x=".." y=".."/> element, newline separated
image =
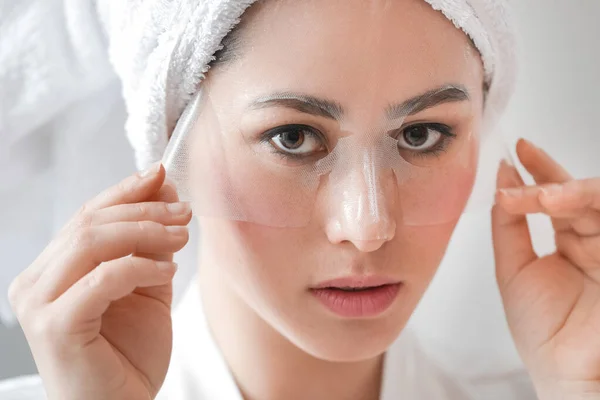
<point x="306" y="295"/>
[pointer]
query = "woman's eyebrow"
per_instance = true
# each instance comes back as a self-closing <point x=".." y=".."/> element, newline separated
<point x="330" y="109"/>
<point x="429" y="99"/>
<point x="300" y="102"/>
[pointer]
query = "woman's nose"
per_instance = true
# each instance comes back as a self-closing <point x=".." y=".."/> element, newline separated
<point x="359" y="207"/>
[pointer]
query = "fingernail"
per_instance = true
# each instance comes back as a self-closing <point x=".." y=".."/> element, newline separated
<point x="533" y="145"/>
<point x="177" y="230"/>
<point x="525" y="141"/>
<point x="167" y="266"/>
<point x="507" y="163"/>
<point x="553" y="190"/>
<point x="504" y="167"/>
<point x="509" y="174"/>
<point x="151" y="170"/>
<point x="179" y="208"/>
<point x="512" y="192"/>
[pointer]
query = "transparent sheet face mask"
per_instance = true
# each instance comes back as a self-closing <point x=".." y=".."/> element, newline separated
<point x="361" y="166"/>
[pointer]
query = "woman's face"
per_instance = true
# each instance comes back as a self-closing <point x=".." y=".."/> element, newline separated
<point x="361" y="56"/>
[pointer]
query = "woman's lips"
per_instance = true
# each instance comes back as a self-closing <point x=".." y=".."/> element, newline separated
<point x="356" y="298"/>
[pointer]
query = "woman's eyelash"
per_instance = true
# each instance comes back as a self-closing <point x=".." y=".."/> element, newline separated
<point x="439" y="148"/>
<point x="268" y="136"/>
<point x="271" y="133"/>
<point x="441" y="128"/>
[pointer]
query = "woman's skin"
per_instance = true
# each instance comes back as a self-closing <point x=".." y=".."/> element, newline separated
<point x="98" y="322"/>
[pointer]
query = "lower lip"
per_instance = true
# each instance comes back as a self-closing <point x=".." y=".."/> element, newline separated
<point x="364" y="303"/>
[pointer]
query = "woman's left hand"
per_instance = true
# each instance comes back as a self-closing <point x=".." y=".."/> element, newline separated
<point x="552" y="303"/>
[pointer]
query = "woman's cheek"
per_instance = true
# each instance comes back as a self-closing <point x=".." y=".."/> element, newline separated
<point x="422" y="250"/>
<point x="260" y="253"/>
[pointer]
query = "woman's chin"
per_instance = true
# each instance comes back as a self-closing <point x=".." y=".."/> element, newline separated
<point x="350" y="341"/>
<point x="348" y="350"/>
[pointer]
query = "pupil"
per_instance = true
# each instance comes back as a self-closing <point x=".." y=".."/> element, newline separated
<point x="292" y="140"/>
<point x="416" y="136"/>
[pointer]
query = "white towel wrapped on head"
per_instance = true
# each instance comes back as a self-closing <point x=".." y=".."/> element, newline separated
<point x="161" y="50"/>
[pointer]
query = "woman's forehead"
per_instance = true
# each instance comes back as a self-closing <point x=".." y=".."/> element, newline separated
<point x="352" y="50"/>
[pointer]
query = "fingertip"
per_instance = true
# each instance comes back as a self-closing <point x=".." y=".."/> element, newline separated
<point x="525" y="144"/>
<point x="153" y="171"/>
<point x="189" y="216"/>
<point x="168" y="268"/>
<point x="525" y="151"/>
<point x="501" y="197"/>
<point x="501" y="175"/>
<point x="167" y="192"/>
<point x="134" y="188"/>
<point x="508" y="176"/>
<point x="170" y="190"/>
<point x="151" y="178"/>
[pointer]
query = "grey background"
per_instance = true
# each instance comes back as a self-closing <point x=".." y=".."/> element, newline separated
<point x="557" y="105"/>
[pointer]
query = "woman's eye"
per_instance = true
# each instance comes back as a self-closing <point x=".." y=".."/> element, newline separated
<point x="423" y="137"/>
<point x="296" y="139"/>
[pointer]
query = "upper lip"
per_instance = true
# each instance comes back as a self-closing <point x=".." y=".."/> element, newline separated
<point x="357" y="282"/>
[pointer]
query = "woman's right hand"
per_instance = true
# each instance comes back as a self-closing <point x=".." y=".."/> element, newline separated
<point x="95" y="306"/>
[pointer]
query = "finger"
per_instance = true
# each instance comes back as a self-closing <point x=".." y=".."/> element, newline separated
<point x="178" y="213"/>
<point x="542" y="167"/>
<point x="92" y="246"/>
<point x="166" y="194"/>
<point x="566" y="200"/>
<point x="135" y="188"/>
<point x="545" y="169"/>
<point x="582" y="193"/>
<point x="513" y="249"/>
<point x="572" y="204"/>
<point x="521" y="200"/>
<point x="584" y="252"/>
<point x="579" y="201"/>
<point x="88" y="299"/>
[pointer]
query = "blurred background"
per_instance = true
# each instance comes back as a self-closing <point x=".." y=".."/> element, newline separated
<point x="79" y="148"/>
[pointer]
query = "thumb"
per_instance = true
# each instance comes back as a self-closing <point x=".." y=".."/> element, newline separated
<point x="513" y="249"/>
